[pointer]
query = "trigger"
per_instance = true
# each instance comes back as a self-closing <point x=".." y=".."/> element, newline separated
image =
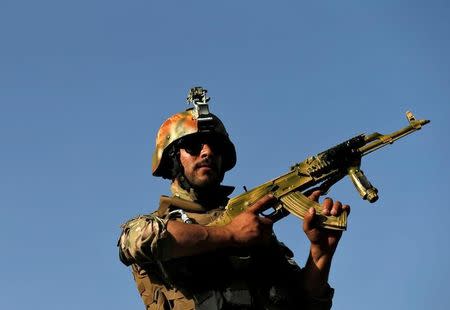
<point x="277" y="214"/>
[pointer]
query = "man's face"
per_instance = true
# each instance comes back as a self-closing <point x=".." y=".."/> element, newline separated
<point x="201" y="159"/>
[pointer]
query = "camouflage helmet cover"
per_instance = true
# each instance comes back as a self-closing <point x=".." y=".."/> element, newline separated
<point x="186" y="124"/>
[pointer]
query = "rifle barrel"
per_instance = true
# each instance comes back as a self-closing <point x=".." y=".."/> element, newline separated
<point x="376" y="140"/>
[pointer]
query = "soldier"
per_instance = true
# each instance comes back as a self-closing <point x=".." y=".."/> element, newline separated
<point x="180" y="263"/>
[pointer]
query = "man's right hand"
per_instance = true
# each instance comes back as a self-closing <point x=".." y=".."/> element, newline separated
<point x="249" y="227"/>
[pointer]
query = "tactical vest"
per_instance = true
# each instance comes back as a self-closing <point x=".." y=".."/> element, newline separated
<point x="224" y="279"/>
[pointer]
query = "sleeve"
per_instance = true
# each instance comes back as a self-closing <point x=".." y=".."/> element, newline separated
<point x="324" y="302"/>
<point x="142" y="240"/>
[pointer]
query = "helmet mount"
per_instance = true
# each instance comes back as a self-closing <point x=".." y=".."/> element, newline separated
<point x="197" y="97"/>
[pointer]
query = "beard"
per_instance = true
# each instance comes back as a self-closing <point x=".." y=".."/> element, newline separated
<point x="205" y="175"/>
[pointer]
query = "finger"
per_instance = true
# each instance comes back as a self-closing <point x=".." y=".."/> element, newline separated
<point x="308" y="219"/>
<point x="314" y="195"/>
<point x="346" y="208"/>
<point x="262" y="204"/>
<point x="266" y="221"/>
<point x="327" y="206"/>
<point x="311" y="190"/>
<point x="337" y="208"/>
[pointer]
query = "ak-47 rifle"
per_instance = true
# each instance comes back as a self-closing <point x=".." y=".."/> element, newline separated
<point x="322" y="170"/>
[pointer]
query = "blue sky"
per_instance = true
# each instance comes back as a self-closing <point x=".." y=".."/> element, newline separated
<point x="84" y="86"/>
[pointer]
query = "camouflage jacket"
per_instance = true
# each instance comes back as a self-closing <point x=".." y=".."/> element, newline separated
<point x="254" y="278"/>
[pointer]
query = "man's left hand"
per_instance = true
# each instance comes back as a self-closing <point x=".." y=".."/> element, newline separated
<point x="323" y="241"/>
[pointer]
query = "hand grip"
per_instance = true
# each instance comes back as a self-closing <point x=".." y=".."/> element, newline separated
<point x="362" y="184"/>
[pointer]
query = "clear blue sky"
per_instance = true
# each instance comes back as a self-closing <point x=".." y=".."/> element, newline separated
<point x="84" y="85"/>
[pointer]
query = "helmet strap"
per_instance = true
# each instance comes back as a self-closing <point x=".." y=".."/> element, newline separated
<point x="177" y="170"/>
<point x="184" y="183"/>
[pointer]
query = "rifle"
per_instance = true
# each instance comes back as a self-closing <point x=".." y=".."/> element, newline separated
<point x="322" y="170"/>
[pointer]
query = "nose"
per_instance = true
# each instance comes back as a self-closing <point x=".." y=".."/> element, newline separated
<point x="206" y="151"/>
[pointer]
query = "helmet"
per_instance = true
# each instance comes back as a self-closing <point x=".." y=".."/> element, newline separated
<point x="193" y="121"/>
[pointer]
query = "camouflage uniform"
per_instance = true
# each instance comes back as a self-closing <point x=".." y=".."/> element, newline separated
<point x="254" y="278"/>
<point x="251" y="278"/>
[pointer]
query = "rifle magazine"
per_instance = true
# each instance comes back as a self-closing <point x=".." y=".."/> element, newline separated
<point x="298" y="204"/>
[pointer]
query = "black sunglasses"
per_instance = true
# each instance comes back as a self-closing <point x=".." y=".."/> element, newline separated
<point x="194" y="144"/>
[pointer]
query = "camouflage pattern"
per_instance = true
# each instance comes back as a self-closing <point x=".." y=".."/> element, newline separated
<point x="140" y="238"/>
<point x="144" y="245"/>
<point x="144" y="239"/>
<point x="181" y="125"/>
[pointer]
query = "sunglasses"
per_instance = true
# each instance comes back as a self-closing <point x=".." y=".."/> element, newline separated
<point x="194" y="144"/>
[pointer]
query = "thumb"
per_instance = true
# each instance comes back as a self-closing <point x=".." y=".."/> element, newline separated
<point x="308" y="220"/>
<point x="313" y="194"/>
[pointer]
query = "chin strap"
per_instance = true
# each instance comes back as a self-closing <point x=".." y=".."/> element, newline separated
<point x="184" y="183"/>
<point x="177" y="170"/>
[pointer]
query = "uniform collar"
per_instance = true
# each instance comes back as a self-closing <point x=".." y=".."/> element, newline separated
<point x="222" y="194"/>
